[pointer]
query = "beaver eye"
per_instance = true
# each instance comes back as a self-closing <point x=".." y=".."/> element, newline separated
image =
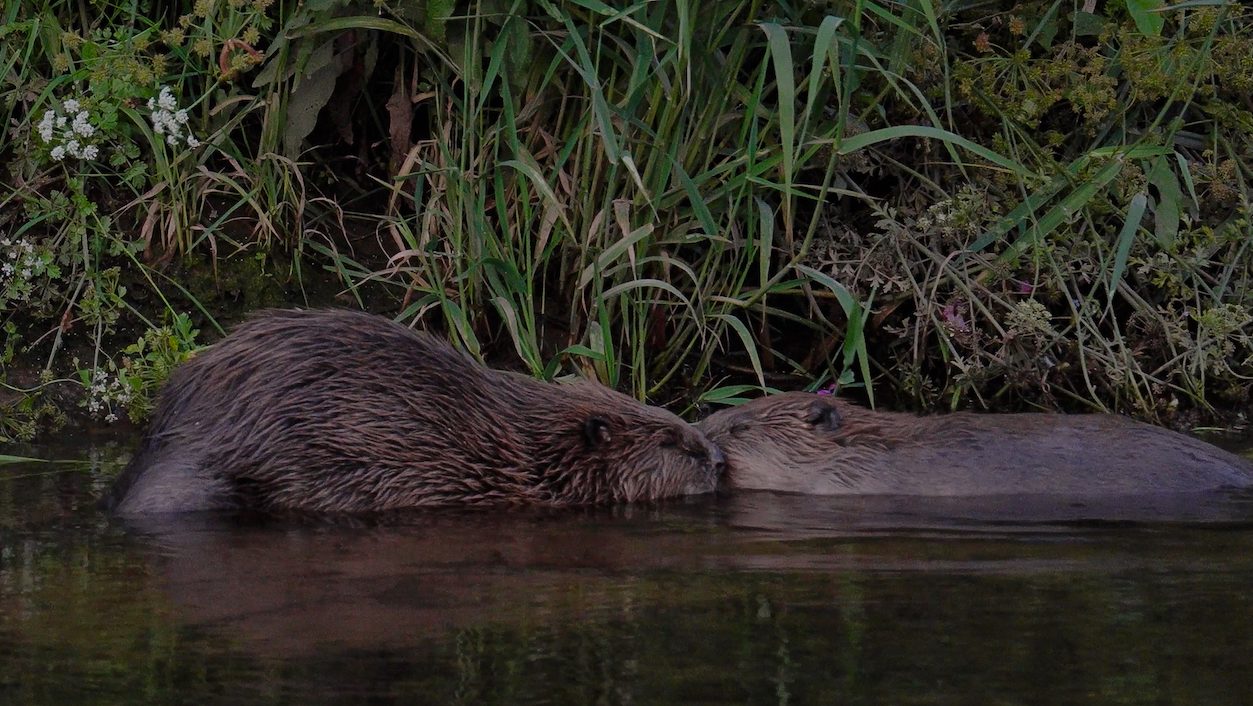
<point x="596" y="431"/>
<point x="670" y="440"/>
<point x="822" y="416"/>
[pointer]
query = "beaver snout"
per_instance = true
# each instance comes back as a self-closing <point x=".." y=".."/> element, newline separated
<point x="717" y="461"/>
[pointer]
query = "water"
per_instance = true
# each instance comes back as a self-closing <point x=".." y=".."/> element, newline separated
<point x="756" y="599"/>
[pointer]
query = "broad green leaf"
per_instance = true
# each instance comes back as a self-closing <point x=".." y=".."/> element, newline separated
<point x="1147" y="16"/>
<point x="1088" y="24"/>
<point x="313" y="88"/>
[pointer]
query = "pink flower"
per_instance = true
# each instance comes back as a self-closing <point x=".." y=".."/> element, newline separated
<point x="953" y="317"/>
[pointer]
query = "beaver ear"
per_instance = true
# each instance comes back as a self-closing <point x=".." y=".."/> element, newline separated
<point x="596" y="430"/>
<point x="823" y="416"/>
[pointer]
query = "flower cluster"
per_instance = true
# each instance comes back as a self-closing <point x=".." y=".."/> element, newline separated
<point x="20" y="265"/>
<point x="69" y="131"/>
<point x="169" y="120"/>
<point x="105" y="392"/>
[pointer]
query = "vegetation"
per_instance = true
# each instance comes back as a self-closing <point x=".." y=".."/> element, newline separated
<point x="942" y="205"/>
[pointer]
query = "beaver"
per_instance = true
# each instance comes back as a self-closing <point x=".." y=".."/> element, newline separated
<point x="342" y="411"/>
<point x="818" y="444"/>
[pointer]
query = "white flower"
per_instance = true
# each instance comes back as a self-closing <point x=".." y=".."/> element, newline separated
<point x="82" y="126"/>
<point x="110" y="417"/>
<point x="46" y="126"/>
<point x="7" y="269"/>
<point x="72" y="147"/>
<point x="166" y="99"/>
<point x="61" y="122"/>
<point x="90" y="152"/>
<point x="25" y="273"/>
<point x="70" y="105"/>
<point x="169" y="122"/>
<point x="58" y="153"/>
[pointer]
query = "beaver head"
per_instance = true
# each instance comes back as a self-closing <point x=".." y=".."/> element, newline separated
<point x="778" y="442"/>
<point x="592" y="444"/>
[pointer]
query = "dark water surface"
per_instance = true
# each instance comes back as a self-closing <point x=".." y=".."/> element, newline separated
<point x="756" y="599"/>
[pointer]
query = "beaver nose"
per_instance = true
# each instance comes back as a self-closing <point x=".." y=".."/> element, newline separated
<point x="717" y="460"/>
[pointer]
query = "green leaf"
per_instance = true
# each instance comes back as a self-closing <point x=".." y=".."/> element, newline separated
<point x="1146" y="15"/>
<point x="696" y="199"/>
<point x="731" y="394"/>
<point x="313" y="88"/>
<point x="765" y="247"/>
<point x="750" y="346"/>
<point x="1135" y="212"/>
<point x="528" y="166"/>
<point x="642" y="284"/>
<point x="613" y="252"/>
<point x="520" y="340"/>
<point x="5" y="458"/>
<point x="586" y="68"/>
<point x="437" y="13"/>
<point x="1022" y="216"/>
<point x="872" y="137"/>
<point x="847" y="302"/>
<point x="826" y="49"/>
<point x="1088" y="24"/>
<point x="1167" y="214"/>
<point x="854" y="347"/>
<point x="580" y="349"/>
<point x="785" y="83"/>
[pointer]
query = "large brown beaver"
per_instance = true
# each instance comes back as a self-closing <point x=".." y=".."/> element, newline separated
<point x="808" y="443"/>
<point x="330" y="411"/>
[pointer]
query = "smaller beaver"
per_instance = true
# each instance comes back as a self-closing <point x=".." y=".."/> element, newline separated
<point x="807" y="443"/>
<point x="342" y="411"/>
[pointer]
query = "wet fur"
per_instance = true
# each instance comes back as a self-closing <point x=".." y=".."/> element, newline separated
<point x="769" y="445"/>
<point x="339" y="411"/>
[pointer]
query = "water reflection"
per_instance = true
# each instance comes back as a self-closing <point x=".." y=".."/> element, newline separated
<point x="751" y="599"/>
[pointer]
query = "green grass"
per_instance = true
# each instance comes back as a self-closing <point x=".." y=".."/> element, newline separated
<point x="929" y="204"/>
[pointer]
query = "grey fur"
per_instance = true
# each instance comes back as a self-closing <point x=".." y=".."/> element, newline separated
<point x="781" y="443"/>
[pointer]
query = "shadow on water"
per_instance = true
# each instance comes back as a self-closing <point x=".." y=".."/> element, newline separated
<point x="756" y="599"/>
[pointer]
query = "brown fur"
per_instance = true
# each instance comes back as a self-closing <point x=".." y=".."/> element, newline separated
<point x="807" y="443"/>
<point x="339" y="411"/>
